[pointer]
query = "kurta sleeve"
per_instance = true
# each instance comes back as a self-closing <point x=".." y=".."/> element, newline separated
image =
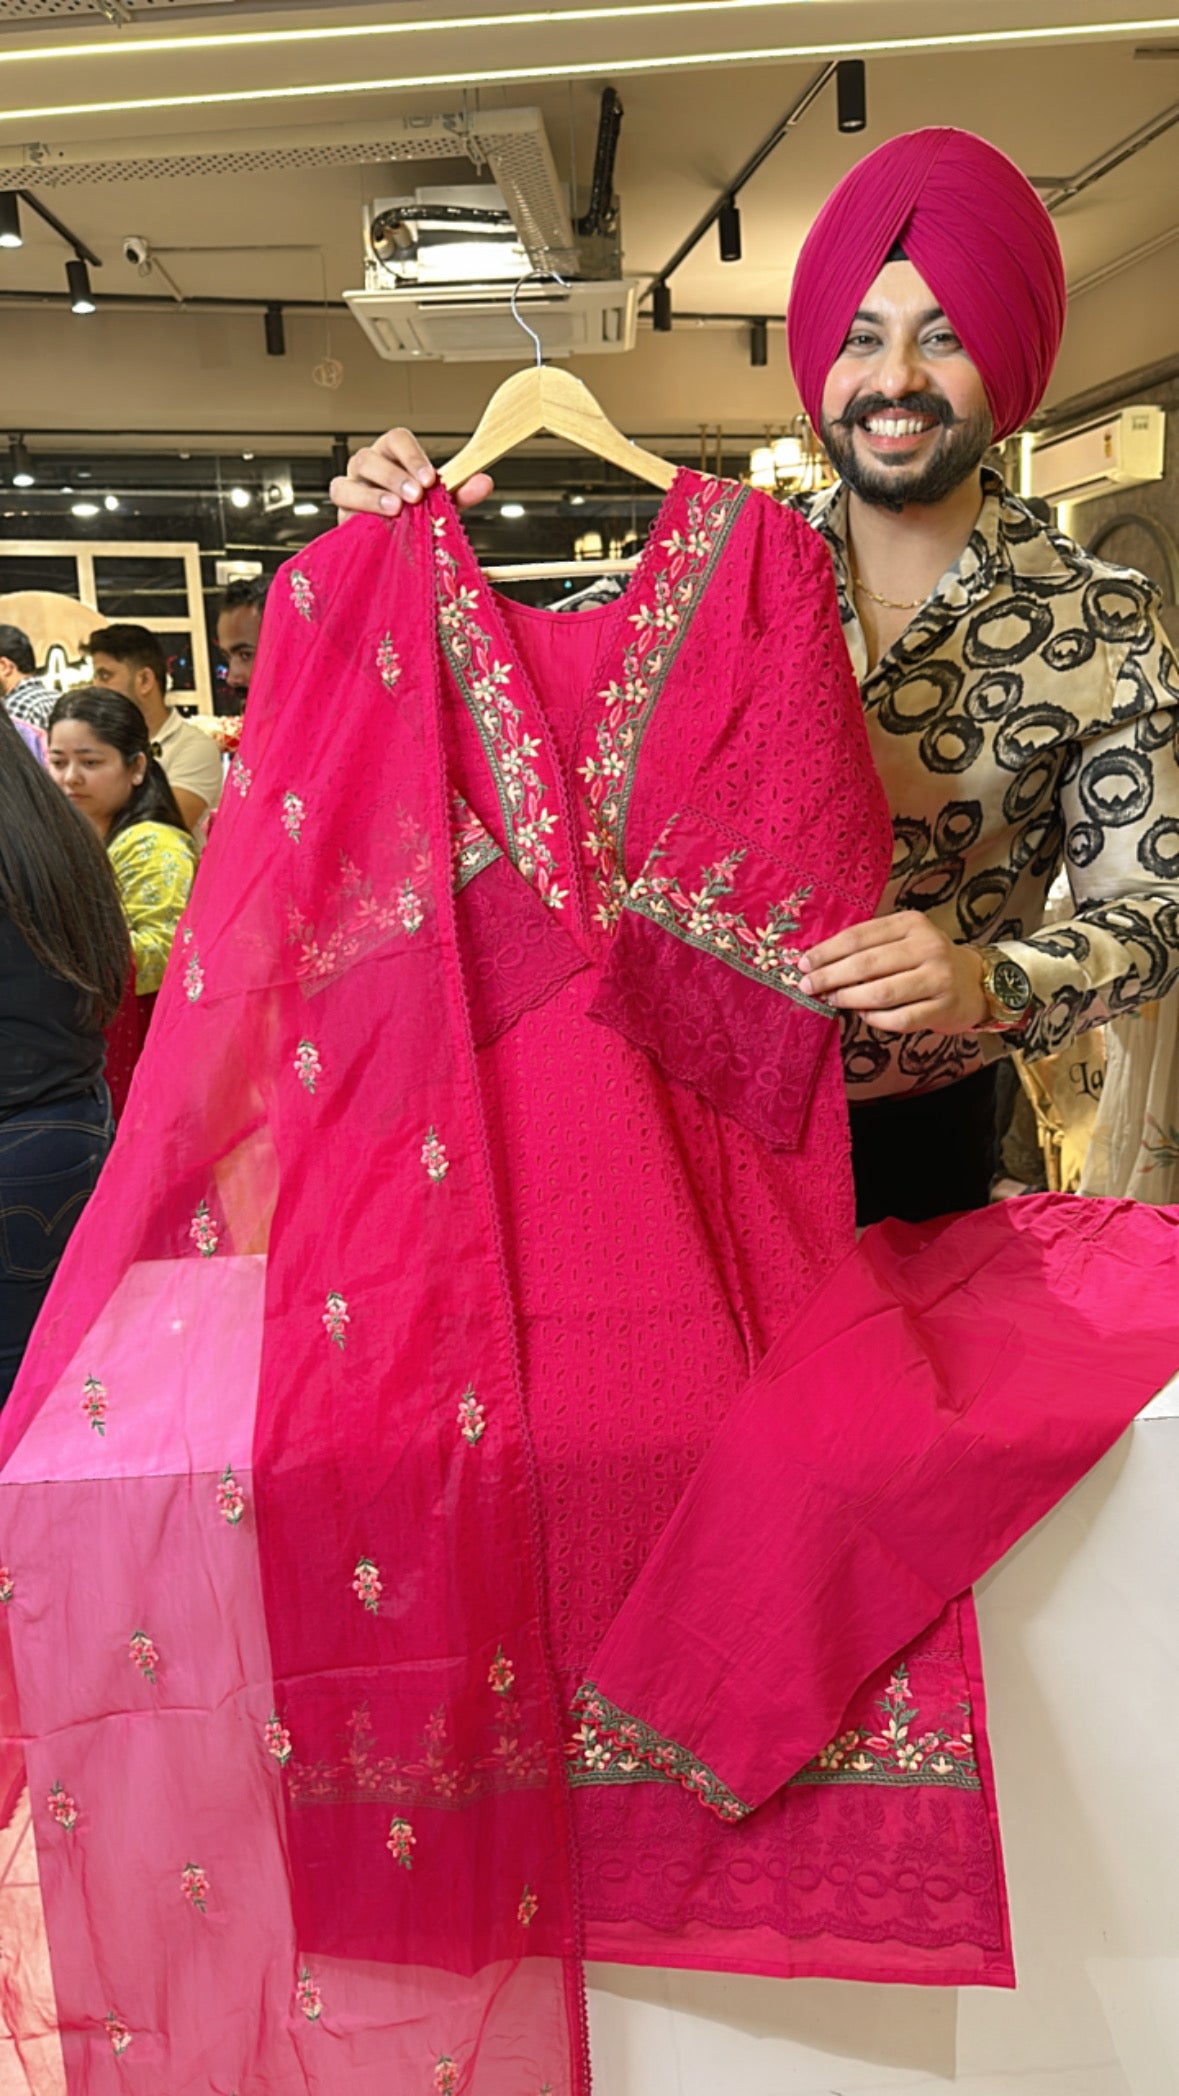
<point x="153" y="867"/>
<point x="1120" y="804"/>
<point x="782" y="840"/>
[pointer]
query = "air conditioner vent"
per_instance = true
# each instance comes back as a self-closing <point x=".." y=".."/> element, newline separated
<point x="473" y="323"/>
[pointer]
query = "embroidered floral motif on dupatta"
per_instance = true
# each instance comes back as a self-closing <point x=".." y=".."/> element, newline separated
<point x="249" y="1436"/>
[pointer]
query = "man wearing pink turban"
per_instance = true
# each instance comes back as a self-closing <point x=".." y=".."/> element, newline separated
<point x="1020" y="695"/>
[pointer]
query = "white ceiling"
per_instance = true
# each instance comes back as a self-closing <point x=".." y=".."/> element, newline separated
<point x="688" y="126"/>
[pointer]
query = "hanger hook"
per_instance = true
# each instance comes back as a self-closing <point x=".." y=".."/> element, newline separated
<point x="543" y="276"/>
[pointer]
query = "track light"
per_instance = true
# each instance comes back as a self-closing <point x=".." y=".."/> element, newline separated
<point x="728" y="226"/>
<point x="759" y="344"/>
<point x="240" y="497"/>
<point x="276" y="334"/>
<point x="23" y="475"/>
<point x="661" y="308"/>
<point x="10" y="232"/>
<point x="78" y="279"/>
<point x="851" y="94"/>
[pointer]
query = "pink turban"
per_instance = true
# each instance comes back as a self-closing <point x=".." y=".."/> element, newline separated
<point x="973" y="227"/>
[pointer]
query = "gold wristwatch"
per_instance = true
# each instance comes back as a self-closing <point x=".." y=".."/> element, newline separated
<point x="1007" y="989"/>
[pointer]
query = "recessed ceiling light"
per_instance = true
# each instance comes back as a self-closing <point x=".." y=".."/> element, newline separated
<point x="110" y="502"/>
<point x="240" y="498"/>
<point x="511" y="509"/>
<point x="85" y="509"/>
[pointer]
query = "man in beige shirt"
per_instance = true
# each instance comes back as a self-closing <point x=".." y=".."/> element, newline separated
<point x="130" y="660"/>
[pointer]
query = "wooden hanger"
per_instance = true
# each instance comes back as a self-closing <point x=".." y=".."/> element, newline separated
<point x="547" y="401"/>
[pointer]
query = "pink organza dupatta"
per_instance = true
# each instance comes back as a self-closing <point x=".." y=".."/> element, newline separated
<point x="295" y="1762"/>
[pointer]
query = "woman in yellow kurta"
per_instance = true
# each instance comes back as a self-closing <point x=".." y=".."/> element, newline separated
<point x="100" y="755"/>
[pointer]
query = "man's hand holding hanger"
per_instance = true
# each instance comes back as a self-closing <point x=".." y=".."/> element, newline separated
<point x="383" y="477"/>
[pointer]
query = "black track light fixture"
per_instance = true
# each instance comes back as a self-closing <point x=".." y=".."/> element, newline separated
<point x="851" y="94"/>
<point x="10" y="232"/>
<point x="661" y="308"/>
<point x="728" y="226"/>
<point x="759" y="344"/>
<point x="276" y="334"/>
<point x="78" y="279"/>
<point x="20" y="463"/>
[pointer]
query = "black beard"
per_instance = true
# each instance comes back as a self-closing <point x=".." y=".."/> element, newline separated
<point x="960" y="450"/>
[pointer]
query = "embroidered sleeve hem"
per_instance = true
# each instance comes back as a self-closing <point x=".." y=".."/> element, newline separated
<point x="613" y="1730"/>
<point x="705" y="971"/>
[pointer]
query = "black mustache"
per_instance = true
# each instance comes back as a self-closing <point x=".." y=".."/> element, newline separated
<point x="870" y="404"/>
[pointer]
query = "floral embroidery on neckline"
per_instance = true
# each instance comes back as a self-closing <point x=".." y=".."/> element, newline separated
<point x="667" y="600"/>
<point x="520" y="765"/>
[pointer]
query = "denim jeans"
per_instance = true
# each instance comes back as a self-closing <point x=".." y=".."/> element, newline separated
<point x="50" y="1159"/>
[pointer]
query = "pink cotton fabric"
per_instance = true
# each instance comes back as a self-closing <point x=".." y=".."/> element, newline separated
<point x="941" y="1391"/>
<point x="977" y="233"/>
<point x="352" y="1398"/>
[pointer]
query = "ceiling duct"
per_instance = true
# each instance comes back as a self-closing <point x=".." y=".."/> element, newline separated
<point x="511" y="143"/>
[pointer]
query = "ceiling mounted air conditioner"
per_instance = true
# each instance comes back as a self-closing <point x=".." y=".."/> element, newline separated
<point x="474" y="323"/>
<point x="1121" y="451"/>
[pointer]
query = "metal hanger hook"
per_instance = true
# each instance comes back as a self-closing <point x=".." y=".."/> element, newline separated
<point x="544" y="276"/>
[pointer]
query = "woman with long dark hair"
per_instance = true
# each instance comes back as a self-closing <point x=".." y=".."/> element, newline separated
<point x="100" y="754"/>
<point x="63" y="965"/>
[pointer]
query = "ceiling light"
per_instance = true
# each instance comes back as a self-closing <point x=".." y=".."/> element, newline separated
<point x="84" y="509"/>
<point x="543" y="18"/>
<point x="110" y="502"/>
<point x="247" y="456"/>
<point x="728" y="226"/>
<point x="306" y="509"/>
<point x="78" y="279"/>
<point x="593" y="68"/>
<point x="511" y="509"/>
<point x="23" y="475"/>
<point x="10" y="232"/>
<point x="240" y="498"/>
<point x="575" y="501"/>
<point x="851" y="94"/>
<point x="276" y="334"/>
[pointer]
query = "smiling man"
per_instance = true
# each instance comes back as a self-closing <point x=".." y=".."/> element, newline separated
<point x="1020" y="696"/>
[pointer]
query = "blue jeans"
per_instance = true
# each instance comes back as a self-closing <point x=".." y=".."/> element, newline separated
<point x="50" y="1159"/>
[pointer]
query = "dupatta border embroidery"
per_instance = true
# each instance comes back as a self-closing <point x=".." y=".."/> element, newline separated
<point x="667" y="599"/>
<point x="472" y="846"/>
<point x="527" y="799"/>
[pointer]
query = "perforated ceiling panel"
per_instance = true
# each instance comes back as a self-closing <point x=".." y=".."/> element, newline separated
<point x="31" y="11"/>
<point x="510" y="142"/>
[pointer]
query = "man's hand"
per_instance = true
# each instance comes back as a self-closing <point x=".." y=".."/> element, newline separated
<point x="386" y="475"/>
<point x="901" y="974"/>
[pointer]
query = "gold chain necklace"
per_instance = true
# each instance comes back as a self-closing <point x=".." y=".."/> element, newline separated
<point x="889" y="603"/>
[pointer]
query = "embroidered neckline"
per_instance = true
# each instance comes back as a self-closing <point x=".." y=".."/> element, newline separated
<point x="659" y="606"/>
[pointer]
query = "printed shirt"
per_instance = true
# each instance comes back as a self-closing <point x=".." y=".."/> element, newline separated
<point x="153" y="865"/>
<point x="32" y="700"/>
<point x="1026" y="718"/>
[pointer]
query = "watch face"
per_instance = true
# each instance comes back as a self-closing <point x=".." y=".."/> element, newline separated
<point x="1009" y="985"/>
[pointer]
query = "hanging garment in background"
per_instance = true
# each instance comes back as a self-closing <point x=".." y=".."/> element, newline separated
<point x="483" y="1140"/>
<point x="1134" y="1146"/>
